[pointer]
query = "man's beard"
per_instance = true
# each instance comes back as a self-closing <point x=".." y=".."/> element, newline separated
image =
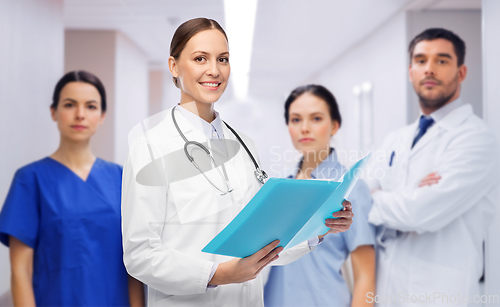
<point x="438" y="102"/>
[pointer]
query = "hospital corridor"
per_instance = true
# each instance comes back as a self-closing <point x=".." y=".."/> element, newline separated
<point x="260" y="153"/>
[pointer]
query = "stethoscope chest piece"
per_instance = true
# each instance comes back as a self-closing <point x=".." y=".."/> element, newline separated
<point x="261" y="175"/>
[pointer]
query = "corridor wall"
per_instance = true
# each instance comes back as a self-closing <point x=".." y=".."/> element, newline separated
<point x="31" y="61"/>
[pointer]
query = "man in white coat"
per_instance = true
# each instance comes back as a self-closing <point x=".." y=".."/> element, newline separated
<point x="434" y="185"/>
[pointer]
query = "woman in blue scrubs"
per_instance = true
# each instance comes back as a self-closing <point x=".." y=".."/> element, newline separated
<point x="313" y="117"/>
<point x="61" y="218"/>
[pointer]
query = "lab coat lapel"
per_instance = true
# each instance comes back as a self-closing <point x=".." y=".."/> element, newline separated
<point x="399" y="168"/>
<point x="184" y="125"/>
<point x="449" y="122"/>
<point x="236" y="166"/>
<point x="228" y="135"/>
<point x="426" y="138"/>
<point x="404" y="149"/>
<point x="456" y="117"/>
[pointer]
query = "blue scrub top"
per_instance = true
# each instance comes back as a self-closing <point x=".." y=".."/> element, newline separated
<point x="74" y="227"/>
<point x="315" y="279"/>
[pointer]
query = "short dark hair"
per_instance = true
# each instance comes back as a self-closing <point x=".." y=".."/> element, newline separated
<point x="186" y="31"/>
<point x="318" y="91"/>
<point x="79" y="76"/>
<point x="435" y="33"/>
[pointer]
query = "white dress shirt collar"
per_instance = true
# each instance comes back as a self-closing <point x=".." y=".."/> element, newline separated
<point x="211" y="130"/>
<point x="441" y="113"/>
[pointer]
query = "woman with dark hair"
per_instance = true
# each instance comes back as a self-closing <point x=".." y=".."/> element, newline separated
<point x="61" y="217"/>
<point x="313" y="118"/>
<point x="186" y="178"/>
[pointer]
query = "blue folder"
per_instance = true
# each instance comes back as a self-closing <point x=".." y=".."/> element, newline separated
<point x="290" y="210"/>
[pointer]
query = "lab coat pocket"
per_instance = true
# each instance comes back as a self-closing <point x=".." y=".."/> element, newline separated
<point x="63" y="249"/>
<point x="443" y="284"/>
<point x="196" y="198"/>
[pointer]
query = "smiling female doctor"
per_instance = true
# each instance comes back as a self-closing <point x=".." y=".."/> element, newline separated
<point x="172" y="207"/>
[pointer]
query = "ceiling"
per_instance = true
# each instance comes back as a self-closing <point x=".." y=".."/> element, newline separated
<point x="149" y="23"/>
<point x="293" y="39"/>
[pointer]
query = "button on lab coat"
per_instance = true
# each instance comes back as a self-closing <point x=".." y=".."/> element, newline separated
<point x="166" y="221"/>
<point x="430" y="239"/>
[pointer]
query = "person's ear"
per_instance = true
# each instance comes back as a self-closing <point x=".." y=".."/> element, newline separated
<point x="335" y="127"/>
<point x="410" y="73"/>
<point x="103" y="116"/>
<point x="172" y="66"/>
<point x="462" y="73"/>
<point x="53" y="114"/>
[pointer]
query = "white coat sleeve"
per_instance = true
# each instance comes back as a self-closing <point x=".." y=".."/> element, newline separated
<point x="468" y="169"/>
<point x="292" y="254"/>
<point x="146" y="259"/>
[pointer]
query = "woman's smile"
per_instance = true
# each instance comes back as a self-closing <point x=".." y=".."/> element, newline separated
<point x="211" y="86"/>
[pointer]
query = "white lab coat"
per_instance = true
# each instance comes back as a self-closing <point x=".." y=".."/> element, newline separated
<point x="165" y="226"/>
<point x="430" y="240"/>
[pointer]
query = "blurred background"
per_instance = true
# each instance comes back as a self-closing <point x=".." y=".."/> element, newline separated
<point x="356" y="48"/>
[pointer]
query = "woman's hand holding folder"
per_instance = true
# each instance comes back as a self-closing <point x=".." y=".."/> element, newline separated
<point x="342" y="220"/>
<point x="239" y="270"/>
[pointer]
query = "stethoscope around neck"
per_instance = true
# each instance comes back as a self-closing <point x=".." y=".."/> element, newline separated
<point x="260" y="174"/>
